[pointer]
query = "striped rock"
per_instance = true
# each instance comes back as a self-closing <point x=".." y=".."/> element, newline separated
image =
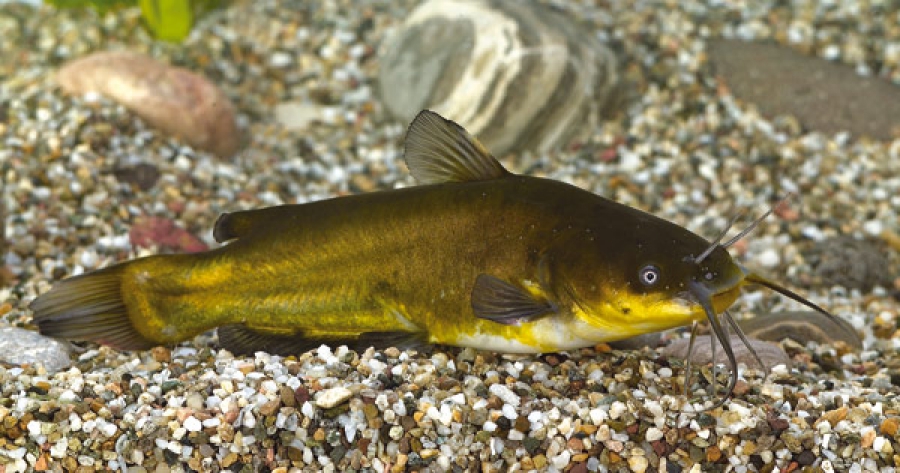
<point x="517" y="75"/>
<point x="802" y="327"/>
<point x="770" y="353"/>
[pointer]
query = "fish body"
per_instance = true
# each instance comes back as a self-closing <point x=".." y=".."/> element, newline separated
<point x="475" y="256"/>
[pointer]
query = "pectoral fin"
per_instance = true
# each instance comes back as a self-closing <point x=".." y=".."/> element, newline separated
<point x="438" y="150"/>
<point x="499" y="301"/>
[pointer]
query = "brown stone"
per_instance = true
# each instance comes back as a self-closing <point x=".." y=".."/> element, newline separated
<point x="823" y="95"/>
<point x="889" y="426"/>
<point x="175" y="100"/>
<point x="834" y="416"/>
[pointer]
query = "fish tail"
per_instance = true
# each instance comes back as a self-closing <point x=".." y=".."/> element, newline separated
<point x="90" y="307"/>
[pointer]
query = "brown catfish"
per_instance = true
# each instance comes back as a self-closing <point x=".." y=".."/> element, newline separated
<point x="474" y="256"/>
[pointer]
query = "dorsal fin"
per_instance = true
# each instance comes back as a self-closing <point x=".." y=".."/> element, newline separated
<point x="232" y="225"/>
<point x="438" y="150"/>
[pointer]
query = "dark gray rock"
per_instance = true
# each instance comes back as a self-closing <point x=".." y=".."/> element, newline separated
<point x="518" y="75"/>
<point x="825" y="96"/>
<point x="19" y="346"/>
<point x="851" y="263"/>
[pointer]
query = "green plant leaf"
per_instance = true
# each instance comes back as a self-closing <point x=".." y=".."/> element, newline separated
<point x="169" y="20"/>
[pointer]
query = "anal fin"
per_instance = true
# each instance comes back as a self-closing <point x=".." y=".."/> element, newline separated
<point x="240" y="339"/>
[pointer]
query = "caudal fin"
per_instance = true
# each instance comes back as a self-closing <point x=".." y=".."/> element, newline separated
<point x="89" y="307"/>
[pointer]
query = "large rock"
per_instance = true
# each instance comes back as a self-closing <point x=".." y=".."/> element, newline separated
<point x="802" y="327"/>
<point x="824" y="96"/>
<point x="517" y="75"/>
<point x="175" y="100"/>
<point x="20" y="347"/>
<point x="851" y="263"/>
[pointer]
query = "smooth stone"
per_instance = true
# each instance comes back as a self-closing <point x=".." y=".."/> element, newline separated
<point x="518" y="75"/>
<point x="770" y="353"/>
<point x="19" y="347"/>
<point x="175" y="100"/>
<point x="297" y="115"/>
<point x="825" y="96"/>
<point x="851" y="263"/>
<point x="333" y="397"/>
<point x="802" y="327"/>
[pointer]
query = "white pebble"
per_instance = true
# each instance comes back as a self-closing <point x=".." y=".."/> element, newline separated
<point x="212" y="422"/>
<point x="108" y="429"/>
<point x="769" y="258"/>
<point x="509" y="412"/>
<point x="616" y="409"/>
<point x="597" y="416"/>
<point x="489" y="426"/>
<point x="654" y="434"/>
<point x="34" y="428"/>
<point x="192" y="424"/>
<point x="562" y="460"/>
<point x="505" y="394"/>
<point x="308" y="410"/>
<point x="873" y="227"/>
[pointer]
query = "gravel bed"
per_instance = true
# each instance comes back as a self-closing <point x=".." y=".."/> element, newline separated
<point x="77" y="173"/>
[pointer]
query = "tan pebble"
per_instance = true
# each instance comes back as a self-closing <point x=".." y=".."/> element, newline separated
<point x="834" y="416"/>
<point x="246" y="368"/>
<point x="588" y="429"/>
<point x="575" y="444"/>
<point x="161" y="354"/>
<point x="889" y="426"/>
<point x="229" y="459"/>
<point x="333" y="397"/>
<point x="175" y="100"/>
<point x="749" y="447"/>
<point x="231" y="416"/>
<point x="319" y="435"/>
<point x="540" y="461"/>
<point x="638" y="464"/>
<point x="418" y="416"/>
<point x="400" y="466"/>
<point x="42" y="464"/>
<point x="713" y="454"/>
<point x="867" y="439"/>
<point x="581" y="457"/>
<point x="270" y="408"/>
<point x="527" y="464"/>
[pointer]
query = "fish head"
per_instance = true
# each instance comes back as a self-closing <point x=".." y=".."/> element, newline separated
<point x="655" y="281"/>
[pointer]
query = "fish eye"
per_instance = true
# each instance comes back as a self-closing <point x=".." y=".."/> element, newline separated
<point x="649" y="275"/>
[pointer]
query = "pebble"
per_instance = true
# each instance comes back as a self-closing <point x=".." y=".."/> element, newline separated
<point x="333" y="397"/>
